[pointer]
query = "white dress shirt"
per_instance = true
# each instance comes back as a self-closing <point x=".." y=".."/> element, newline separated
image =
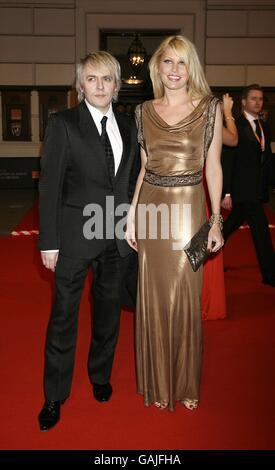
<point x="112" y="130"/>
<point x="251" y="120"/>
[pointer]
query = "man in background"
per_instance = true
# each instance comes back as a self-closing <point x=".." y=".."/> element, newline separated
<point x="247" y="186"/>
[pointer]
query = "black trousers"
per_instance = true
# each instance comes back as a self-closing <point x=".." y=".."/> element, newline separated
<point x="108" y="279"/>
<point x="254" y="214"/>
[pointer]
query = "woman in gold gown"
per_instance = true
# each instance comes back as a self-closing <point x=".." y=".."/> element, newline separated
<point x="178" y="131"/>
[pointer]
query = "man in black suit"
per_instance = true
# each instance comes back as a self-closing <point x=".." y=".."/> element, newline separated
<point x="89" y="167"/>
<point x="248" y="181"/>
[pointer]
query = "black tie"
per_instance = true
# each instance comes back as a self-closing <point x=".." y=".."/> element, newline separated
<point x="258" y="129"/>
<point x="107" y="148"/>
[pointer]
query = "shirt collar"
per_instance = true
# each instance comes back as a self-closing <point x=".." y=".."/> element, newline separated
<point x="97" y="115"/>
<point x="249" y="117"/>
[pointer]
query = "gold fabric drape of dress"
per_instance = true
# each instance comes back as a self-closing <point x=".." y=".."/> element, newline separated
<point x="168" y="315"/>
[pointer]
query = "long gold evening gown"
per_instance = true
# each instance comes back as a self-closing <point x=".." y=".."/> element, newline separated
<point x="168" y="315"/>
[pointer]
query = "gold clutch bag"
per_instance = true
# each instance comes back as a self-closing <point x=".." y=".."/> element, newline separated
<point x="196" y="250"/>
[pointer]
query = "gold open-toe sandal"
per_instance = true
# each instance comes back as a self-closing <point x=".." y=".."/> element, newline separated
<point x="162" y="405"/>
<point x="190" y="404"/>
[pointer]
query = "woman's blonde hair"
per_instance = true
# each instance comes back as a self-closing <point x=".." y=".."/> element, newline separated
<point x="97" y="59"/>
<point x="197" y="86"/>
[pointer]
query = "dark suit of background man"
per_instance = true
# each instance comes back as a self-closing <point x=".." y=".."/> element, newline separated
<point x="83" y="165"/>
<point x="249" y="173"/>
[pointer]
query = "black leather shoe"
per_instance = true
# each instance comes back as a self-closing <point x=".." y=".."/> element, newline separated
<point x="269" y="281"/>
<point x="102" y="393"/>
<point x="49" y="415"/>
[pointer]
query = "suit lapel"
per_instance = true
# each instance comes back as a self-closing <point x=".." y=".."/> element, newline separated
<point x="251" y="136"/>
<point x="124" y="132"/>
<point x="249" y="131"/>
<point x="91" y="135"/>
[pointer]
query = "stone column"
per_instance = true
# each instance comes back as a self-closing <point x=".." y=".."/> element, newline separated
<point x="1" y="122"/>
<point x="35" y="116"/>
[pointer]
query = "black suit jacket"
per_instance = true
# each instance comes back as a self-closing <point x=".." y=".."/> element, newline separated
<point x="227" y="161"/>
<point x="74" y="173"/>
<point x="248" y="169"/>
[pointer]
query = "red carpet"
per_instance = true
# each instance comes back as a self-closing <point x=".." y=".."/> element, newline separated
<point x="237" y="410"/>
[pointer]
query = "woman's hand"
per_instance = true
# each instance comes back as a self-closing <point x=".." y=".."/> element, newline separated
<point x="215" y="239"/>
<point x="227" y="105"/>
<point x="130" y="234"/>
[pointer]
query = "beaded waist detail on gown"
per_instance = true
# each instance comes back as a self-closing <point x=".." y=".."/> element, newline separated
<point x="183" y="180"/>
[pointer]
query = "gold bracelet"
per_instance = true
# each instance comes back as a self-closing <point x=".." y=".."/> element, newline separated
<point x="216" y="219"/>
<point x="230" y="117"/>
